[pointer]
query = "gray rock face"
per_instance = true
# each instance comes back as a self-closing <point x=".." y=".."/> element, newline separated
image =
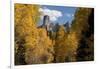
<point x="52" y="27"/>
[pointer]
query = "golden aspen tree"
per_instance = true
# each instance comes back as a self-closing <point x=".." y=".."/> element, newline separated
<point x="83" y="26"/>
<point x="72" y="45"/>
<point x="26" y="16"/>
<point x="60" y="48"/>
<point x="32" y="44"/>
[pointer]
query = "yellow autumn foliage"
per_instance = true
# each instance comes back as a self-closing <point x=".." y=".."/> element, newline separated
<point x="42" y="51"/>
<point x="24" y="20"/>
<point x="60" y="46"/>
<point x="72" y="45"/>
<point x="33" y="45"/>
<point x="66" y="45"/>
<point x="72" y="41"/>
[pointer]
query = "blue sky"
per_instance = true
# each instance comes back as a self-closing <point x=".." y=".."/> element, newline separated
<point x="59" y="14"/>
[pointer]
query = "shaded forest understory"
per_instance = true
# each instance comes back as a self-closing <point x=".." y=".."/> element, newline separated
<point x="37" y="46"/>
